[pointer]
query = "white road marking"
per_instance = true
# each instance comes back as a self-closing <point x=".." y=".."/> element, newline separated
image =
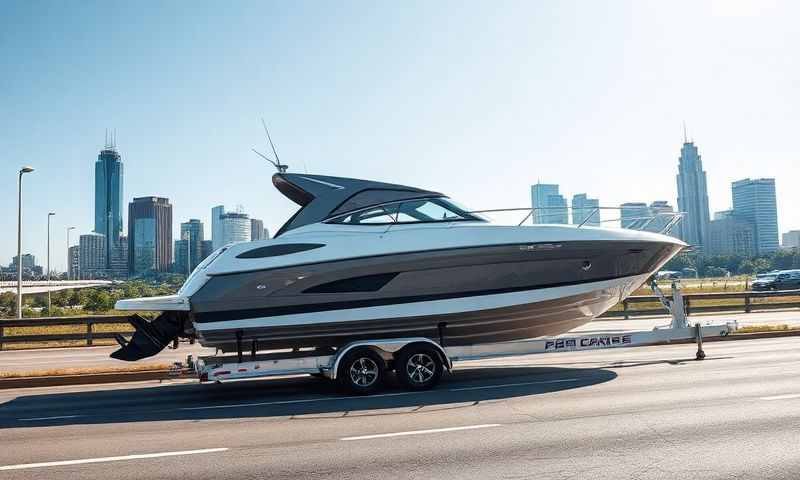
<point x="304" y="400"/>
<point x="110" y="459"/>
<point x="781" y="397"/>
<point x="36" y="419"/>
<point x="541" y="382"/>
<point x="421" y="432"/>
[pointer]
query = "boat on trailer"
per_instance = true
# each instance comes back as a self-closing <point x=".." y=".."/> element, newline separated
<point x="364" y="261"/>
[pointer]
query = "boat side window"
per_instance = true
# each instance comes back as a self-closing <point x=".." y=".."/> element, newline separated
<point x="424" y="210"/>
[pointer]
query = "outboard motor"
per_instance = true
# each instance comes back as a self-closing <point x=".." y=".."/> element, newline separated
<point x="149" y="337"/>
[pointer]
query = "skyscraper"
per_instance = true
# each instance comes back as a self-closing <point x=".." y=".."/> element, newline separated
<point x="585" y="210"/>
<point x="108" y="186"/>
<point x="791" y="239"/>
<point x="192" y="231"/>
<point x="754" y="201"/>
<point x="216" y="226"/>
<point x="235" y="227"/>
<point x="692" y="196"/>
<point x="730" y="235"/>
<point x="92" y="256"/>
<point x="549" y="206"/>
<point x="257" y="229"/>
<point x="149" y="235"/>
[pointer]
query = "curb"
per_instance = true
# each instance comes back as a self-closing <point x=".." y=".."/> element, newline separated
<point x="117" y="377"/>
<point x="85" y="379"/>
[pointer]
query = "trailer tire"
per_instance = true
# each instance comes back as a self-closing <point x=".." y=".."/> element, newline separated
<point x="361" y="371"/>
<point x="419" y="367"/>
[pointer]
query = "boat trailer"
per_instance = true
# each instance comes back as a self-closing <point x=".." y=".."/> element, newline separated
<point x="419" y="362"/>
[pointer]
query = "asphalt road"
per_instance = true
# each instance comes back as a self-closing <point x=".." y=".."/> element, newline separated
<point x="97" y="357"/>
<point x="644" y="413"/>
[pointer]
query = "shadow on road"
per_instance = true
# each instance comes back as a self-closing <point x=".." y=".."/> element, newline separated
<point x="292" y="397"/>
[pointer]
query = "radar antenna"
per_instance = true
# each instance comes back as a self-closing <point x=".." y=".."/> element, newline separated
<point x="277" y="162"/>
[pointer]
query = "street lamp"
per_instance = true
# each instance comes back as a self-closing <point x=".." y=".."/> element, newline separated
<point x="48" y="261"/>
<point x="19" y="240"/>
<point x="69" y="264"/>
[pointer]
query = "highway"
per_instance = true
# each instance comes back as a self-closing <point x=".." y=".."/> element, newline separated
<point x="97" y="357"/>
<point x="643" y="413"/>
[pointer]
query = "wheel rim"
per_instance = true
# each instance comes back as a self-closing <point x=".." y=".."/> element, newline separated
<point x="364" y="372"/>
<point x="420" y="368"/>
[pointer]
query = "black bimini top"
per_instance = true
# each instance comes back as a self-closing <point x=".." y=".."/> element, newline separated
<point x="321" y="196"/>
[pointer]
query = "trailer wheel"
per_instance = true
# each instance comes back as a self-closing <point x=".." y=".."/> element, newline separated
<point x="361" y="371"/>
<point x="419" y="367"/>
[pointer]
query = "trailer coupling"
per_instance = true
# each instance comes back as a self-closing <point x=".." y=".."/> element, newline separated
<point x="149" y="337"/>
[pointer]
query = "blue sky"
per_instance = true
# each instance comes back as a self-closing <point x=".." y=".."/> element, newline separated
<point x="475" y="99"/>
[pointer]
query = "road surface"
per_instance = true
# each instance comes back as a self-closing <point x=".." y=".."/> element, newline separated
<point x="97" y="357"/>
<point x="644" y="413"/>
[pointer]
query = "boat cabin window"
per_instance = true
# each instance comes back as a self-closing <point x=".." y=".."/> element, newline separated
<point x="423" y="210"/>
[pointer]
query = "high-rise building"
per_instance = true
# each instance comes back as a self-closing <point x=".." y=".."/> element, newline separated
<point x="28" y="261"/>
<point x="181" y="252"/>
<point x="730" y="235"/>
<point x="634" y="215"/>
<point x="791" y="239"/>
<point x="192" y="231"/>
<point x="754" y="201"/>
<point x="216" y="226"/>
<point x="548" y="205"/>
<point x="92" y="256"/>
<point x="108" y="186"/>
<point x="585" y="210"/>
<point x="257" y="230"/>
<point x="235" y="227"/>
<point x="73" y="260"/>
<point x="149" y="235"/>
<point x="692" y="196"/>
<point x="208" y="249"/>
<point x="119" y="260"/>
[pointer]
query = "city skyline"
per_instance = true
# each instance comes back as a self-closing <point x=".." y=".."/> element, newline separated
<point x="518" y="94"/>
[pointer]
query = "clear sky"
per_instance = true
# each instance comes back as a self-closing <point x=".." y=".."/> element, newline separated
<point x="475" y="99"/>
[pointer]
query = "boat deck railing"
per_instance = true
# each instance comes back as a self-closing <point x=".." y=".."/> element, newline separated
<point x="637" y="218"/>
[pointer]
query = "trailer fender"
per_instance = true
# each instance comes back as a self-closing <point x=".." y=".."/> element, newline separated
<point x="389" y="346"/>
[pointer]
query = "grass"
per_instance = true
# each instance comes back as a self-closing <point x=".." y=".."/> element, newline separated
<point x="86" y="371"/>
<point x="765" y="328"/>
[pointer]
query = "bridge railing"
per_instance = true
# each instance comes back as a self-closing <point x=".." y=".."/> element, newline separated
<point x="648" y="305"/>
<point x="58" y="330"/>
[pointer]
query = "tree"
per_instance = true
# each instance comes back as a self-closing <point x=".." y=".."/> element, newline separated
<point x="99" y="301"/>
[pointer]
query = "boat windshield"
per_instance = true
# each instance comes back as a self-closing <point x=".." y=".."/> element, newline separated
<point x="424" y="210"/>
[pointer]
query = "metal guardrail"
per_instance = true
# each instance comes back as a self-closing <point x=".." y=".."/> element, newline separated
<point x="88" y="334"/>
<point x="693" y="303"/>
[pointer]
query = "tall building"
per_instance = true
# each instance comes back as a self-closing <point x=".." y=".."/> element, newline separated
<point x="119" y="260"/>
<point x="257" y="230"/>
<point x="730" y="235"/>
<point x="29" y="267"/>
<point x="791" y="239"/>
<point x="754" y="201"/>
<point x="108" y="186"/>
<point x="181" y="252"/>
<point x="73" y="261"/>
<point x="548" y="205"/>
<point x="235" y="227"/>
<point x="585" y="210"/>
<point x="692" y="196"/>
<point x="208" y="249"/>
<point x="92" y="256"/>
<point x="192" y="231"/>
<point x="634" y="215"/>
<point x="216" y="226"/>
<point x="149" y="235"/>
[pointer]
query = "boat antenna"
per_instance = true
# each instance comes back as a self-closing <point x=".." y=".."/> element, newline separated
<point x="277" y="162"/>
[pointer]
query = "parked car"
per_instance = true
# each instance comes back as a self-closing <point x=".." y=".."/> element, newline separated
<point x="783" y="280"/>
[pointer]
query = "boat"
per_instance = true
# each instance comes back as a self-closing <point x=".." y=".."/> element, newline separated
<point x="368" y="260"/>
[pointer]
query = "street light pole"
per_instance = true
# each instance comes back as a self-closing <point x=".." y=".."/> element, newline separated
<point x="48" y="261"/>
<point x="69" y="264"/>
<point x="22" y="171"/>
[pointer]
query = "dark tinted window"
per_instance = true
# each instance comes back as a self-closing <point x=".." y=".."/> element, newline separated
<point x="367" y="283"/>
<point x="276" y="250"/>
